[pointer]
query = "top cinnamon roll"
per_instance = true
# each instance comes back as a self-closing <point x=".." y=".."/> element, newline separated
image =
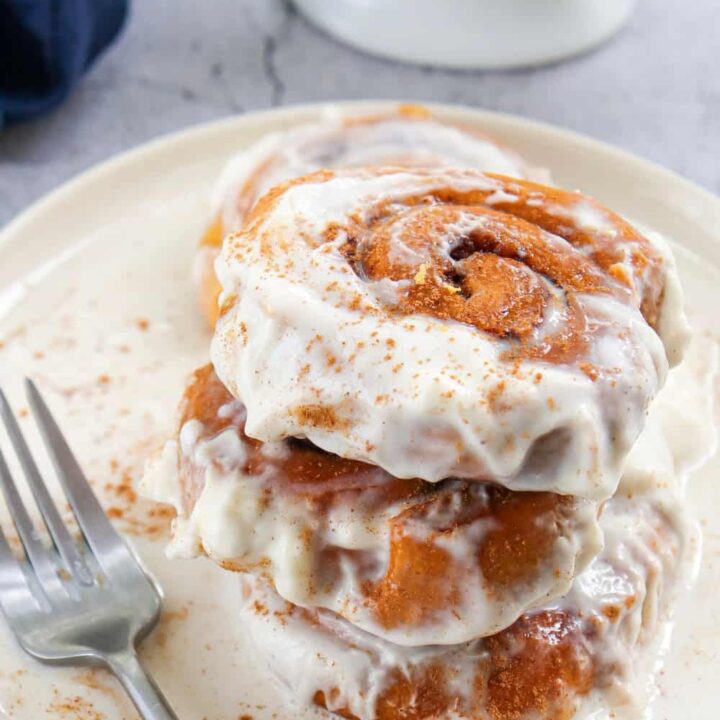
<point x="408" y="137"/>
<point x="448" y="323"/>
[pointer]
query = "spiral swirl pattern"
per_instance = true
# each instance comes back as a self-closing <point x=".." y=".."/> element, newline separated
<point x="447" y="324"/>
<point x="408" y="136"/>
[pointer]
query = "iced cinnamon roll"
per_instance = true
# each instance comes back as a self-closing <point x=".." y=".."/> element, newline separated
<point x="412" y="562"/>
<point x="409" y="137"/>
<point x="591" y="651"/>
<point x="448" y="323"/>
<point x="581" y="651"/>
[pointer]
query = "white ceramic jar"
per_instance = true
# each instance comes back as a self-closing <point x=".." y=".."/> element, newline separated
<point x="470" y="33"/>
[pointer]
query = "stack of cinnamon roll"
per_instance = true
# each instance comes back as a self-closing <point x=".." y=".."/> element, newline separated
<point x="428" y="372"/>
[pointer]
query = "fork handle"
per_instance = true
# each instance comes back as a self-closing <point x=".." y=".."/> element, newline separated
<point x="145" y="694"/>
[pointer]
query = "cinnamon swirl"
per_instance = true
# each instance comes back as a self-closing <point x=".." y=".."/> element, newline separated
<point x="408" y="137"/>
<point x="448" y="323"/>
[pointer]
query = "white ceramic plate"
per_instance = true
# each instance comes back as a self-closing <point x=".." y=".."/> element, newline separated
<point x="96" y="303"/>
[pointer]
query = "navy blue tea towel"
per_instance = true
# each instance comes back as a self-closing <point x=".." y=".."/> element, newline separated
<point x="46" y="46"/>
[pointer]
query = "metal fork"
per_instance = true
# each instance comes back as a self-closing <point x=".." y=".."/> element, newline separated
<point x="74" y="603"/>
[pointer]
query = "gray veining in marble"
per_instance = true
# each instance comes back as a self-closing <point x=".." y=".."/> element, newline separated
<point x="654" y="90"/>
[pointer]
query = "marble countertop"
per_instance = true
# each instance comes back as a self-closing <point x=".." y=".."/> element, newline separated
<point x="653" y="90"/>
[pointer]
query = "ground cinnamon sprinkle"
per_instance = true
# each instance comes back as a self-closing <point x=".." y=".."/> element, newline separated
<point x="590" y="370"/>
<point x="259" y="608"/>
<point x="320" y="416"/>
<point x="124" y="489"/>
<point x="74" y="708"/>
<point x="493" y="397"/>
<point x="99" y="680"/>
<point x="312" y="341"/>
<point x="168" y="618"/>
<point x="136" y="516"/>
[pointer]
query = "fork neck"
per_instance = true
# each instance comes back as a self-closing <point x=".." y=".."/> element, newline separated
<point x="139" y="685"/>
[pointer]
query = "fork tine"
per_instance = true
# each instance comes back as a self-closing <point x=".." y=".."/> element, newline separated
<point x="63" y="541"/>
<point x="36" y="552"/>
<point x="104" y="541"/>
<point x="15" y="592"/>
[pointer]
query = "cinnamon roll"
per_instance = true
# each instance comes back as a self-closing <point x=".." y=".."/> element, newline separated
<point x="579" y="651"/>
<point x="448" y="323"/>
<point x="406" y="560"/>
<point x="408" y="137"/>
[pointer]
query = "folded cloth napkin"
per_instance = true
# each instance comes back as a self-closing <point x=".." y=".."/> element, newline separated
<point x="46" y="46"/>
